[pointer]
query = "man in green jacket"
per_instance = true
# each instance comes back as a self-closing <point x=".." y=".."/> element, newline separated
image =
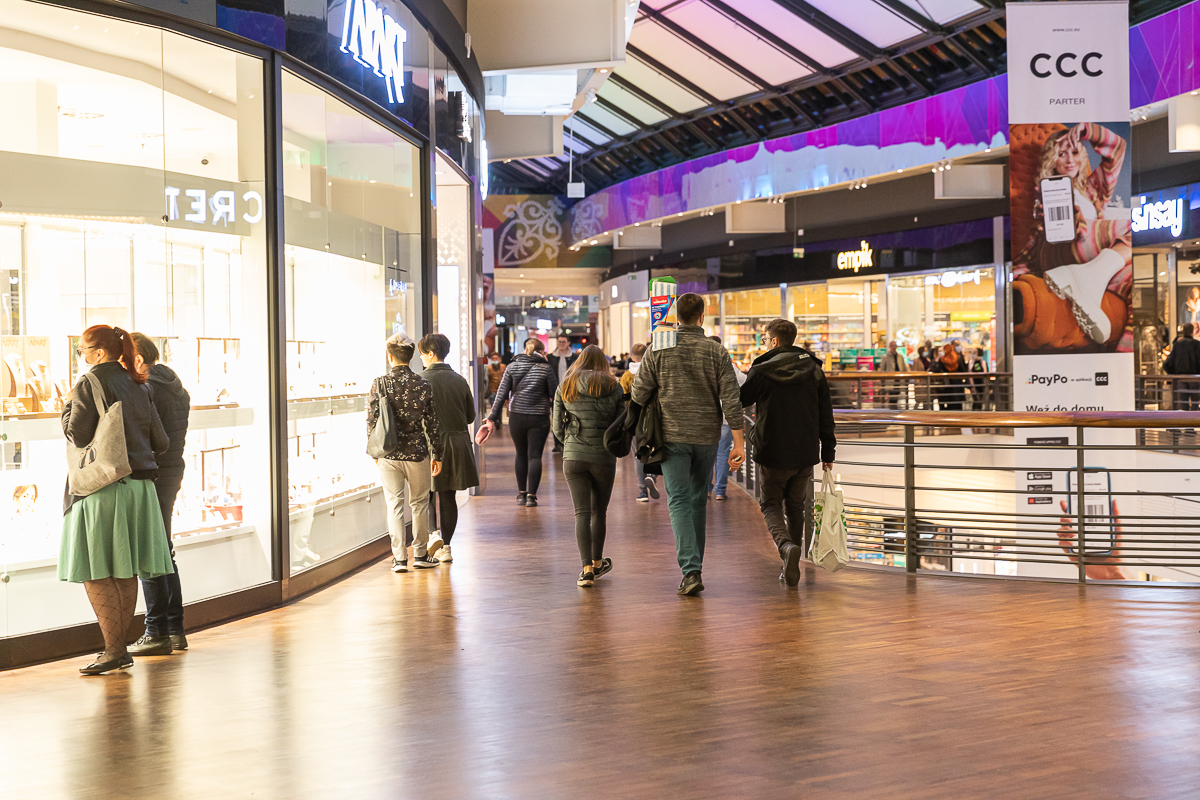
<point x="696" y="387"/>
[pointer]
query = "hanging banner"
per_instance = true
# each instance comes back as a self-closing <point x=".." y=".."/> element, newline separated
<point x="1070" y="186"/>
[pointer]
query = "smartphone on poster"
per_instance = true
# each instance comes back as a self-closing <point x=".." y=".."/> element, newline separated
<point x="1058" y="209"/>
<point x="1100" y="526"/>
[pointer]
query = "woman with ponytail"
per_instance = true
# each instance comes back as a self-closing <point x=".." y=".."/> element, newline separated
<point x="115" y="535"/>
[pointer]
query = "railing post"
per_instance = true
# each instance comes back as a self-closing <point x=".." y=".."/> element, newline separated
<point x="1080" y="533"/>
<point x="911" y="557"/>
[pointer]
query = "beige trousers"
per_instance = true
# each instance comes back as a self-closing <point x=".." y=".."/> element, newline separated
<point x="394" y="475"/>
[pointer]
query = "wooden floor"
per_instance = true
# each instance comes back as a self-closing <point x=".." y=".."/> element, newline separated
<point x="496" y="677"/>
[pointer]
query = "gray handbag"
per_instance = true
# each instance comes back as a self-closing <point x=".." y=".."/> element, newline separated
<point x="384" y="438"/>
<point x="104" y="460"/>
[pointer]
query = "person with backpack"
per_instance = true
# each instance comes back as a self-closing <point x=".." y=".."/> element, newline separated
<point x="531" y="382"/>
<point x="164" y="598"/>
<point x="585" y="405"/>
<point x="455" y="412"/>
<point x="407" y="399"/>
<point x="793" y="430"/>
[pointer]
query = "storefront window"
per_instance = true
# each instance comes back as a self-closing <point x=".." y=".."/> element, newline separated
<point x="352" y="229"/>
<point x="746" y="313"/>
<point x="808" y="307"/>
<point x="454" y="304"/>
<point x="133" y="184"/>
<point x="712" y="315"/>
<point x="943" y="306"/>
<point x="640" y="319"/>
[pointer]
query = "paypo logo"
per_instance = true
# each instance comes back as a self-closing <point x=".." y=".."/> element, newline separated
<point x="1046" y="380"/>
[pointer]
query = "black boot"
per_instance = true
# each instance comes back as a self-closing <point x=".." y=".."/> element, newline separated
<point x="151" y="646"/>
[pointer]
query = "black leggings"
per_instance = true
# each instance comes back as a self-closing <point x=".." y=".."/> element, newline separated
<point x="446" y="510"/>
<point x="591" y="485"/>
<point x="528" y="432"/>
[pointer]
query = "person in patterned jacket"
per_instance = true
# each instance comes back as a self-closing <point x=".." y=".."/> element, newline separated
<point x="411" y="463"/>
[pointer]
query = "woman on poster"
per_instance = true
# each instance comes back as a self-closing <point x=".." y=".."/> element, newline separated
<point x="1081" y="271"/>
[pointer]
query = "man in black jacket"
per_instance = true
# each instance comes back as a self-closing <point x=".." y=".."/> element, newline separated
<point x="164" y="601"/>
<point x="1185" y="360"/>
<point x="793" y="430"/>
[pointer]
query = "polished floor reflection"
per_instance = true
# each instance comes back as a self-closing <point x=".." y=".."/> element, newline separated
<point x="497" y="677"/>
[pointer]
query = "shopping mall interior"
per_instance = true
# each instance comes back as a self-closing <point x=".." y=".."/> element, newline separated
<point x="980" y="219"/>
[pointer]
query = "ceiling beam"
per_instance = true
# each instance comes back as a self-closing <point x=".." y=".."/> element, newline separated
<point x="767" y="36"/>
<point x="832" y="28"/>
<point x="911" y="15"/>
<point x="667" y="72"/>
<point x="704" y="47"/>
<point x="891" y="64"/>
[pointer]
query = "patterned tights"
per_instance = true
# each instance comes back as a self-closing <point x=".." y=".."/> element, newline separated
<point x="114" y="600"/>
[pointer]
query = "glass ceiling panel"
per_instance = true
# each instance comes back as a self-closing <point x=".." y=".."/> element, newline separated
<point x="738" y="44"/>
<point x="943" y="11"/>
<point x="659" y="86"/>
<point x="685" y="60"/>
<point x="795" y="31"/>
<point x="603" y="116"/>
<point x="631" y="103"/>
<point x="585" y="131"/>
<point x="875" y="23"/>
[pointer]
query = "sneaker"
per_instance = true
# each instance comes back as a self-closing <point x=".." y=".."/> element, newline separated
<point x="691" y="585"/>
<point x="586" y="578"/>
<point x="442" y="554"/>
<point x="178" y="641"/>
<point x="650" y="486"/>
<point x="435" y="542"/>
<point x="643" y="497"/>
<point x="604" y="568"/>
<point x="151" y="646"/>
<point x="531" y="501"/>
<point x="399" y="566"/>
<point x="424" y="562"/>
<point x="791" y="563"/>
<point x="718" y="497"/>
<point x="521" y="498"/>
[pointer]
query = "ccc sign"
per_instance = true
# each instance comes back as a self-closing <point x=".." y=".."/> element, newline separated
<point x="1065" y="65"/>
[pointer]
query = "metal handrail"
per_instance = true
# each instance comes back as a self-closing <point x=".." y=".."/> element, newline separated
<point x="966" y="492"/>
<point x="985" y="391"/>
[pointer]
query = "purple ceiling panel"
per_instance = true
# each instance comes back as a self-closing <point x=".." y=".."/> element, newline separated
<point x="1164" y="62"/>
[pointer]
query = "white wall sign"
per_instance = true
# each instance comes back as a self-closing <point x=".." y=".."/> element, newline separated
<point x="1157" y="216"/>
<point x="862" y="258"/>
<point x="952" y="278"/>
<point x="1068" y="61"/>
<point x="198" y="205"/>
<point x="376" y="40"/>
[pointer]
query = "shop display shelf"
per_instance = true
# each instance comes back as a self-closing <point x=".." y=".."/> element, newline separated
<point x="310" y="407"/>
<point x="331" y="504"/>
<point x="182" y="540"/>
<point x="47" y="426"/>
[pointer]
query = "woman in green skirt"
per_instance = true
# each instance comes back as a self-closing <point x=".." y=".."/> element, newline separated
<point x="115" y="535"/>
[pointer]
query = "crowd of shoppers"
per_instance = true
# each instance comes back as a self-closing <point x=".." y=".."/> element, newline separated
<point x="120" y="531"/>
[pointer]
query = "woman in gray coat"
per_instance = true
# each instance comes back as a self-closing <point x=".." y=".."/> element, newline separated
<point x="455" y="409"/>
<point x="585" y="405"/>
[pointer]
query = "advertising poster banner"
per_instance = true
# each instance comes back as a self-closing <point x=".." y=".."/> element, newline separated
<point x="1070" y="187"/>
<point x="1070" y="191"/>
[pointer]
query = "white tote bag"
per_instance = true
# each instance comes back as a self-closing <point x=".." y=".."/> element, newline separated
<point x="829" y="545"/>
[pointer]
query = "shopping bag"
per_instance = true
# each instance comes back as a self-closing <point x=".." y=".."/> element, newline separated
<point x="828" y="546"/>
